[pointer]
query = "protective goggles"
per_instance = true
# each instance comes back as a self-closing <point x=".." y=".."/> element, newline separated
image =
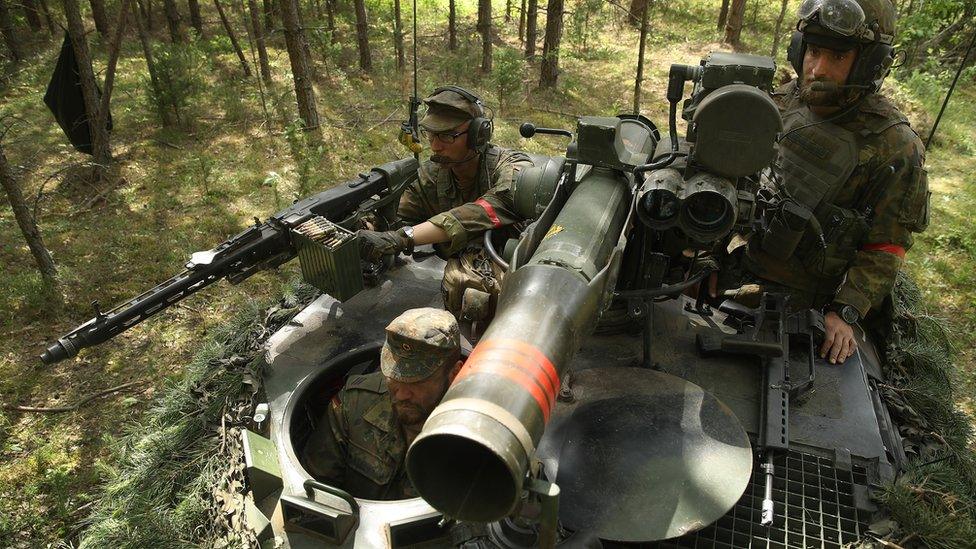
<point x="844" y="17"/>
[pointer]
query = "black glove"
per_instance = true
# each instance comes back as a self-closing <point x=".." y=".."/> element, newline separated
<point x="375" y="244"/>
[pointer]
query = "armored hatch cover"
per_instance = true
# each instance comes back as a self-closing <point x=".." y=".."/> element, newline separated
<point x="641" y="455"/>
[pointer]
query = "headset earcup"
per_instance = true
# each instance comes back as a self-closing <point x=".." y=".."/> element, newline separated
<point x="479" y="132"/>
<point x="873" y="65"/>
<point x="488" y="130"/>
<point x="794" y="52"/>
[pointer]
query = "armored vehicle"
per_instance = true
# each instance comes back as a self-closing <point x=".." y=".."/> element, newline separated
<point x="600" y="405"/>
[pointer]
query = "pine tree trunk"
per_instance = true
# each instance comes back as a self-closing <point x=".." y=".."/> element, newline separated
<point x="101" y="18"/>
<point x="330" y="17"/>
<point x="270" y="13"/>
<point x="47" y="17"/>
<point x="484" y="11"/>
<point x="49" y="272"/>
<point x="508" y="10"/>
<point x="233" y="38"/>
<point x="252" y="8"/>
<point x="362" y="36"/>
<point x="550" y="48"/>
<point x="636" y="11"/>
<point x="173" y="21"/>
<point x="778" y="33"/>
<point x="305" y="44"/>
<point x="195" y="20"/>
<point x="145" y="6"/>
<point x="9" y="33"/>
<point x="723" y="15"/>
<point x="398" y="35"/>
<point x="115" y="48"/>
<point x="101" y="147"/>
<point x="169" y="117"/>
<point x="733" y="29"/>
<point x="296" y="43"/>
<point x="31" y="14"/>
<point x="531" y="22"/>
<point x="452" y="25"/>
<point x="640" y="57"/>
<point x="522" y="23"/>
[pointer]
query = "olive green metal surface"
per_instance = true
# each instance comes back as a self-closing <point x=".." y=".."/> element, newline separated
<point x="641" y="455"/>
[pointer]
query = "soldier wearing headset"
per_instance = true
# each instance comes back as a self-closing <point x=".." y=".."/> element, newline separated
<point x="463" y="190"/>
<point x="850" y="175"/>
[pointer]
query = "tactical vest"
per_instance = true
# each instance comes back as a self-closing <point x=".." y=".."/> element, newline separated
<point x="815" y="162"/>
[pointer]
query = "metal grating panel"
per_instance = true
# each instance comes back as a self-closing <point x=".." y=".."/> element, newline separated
<point x="814" y="509"/>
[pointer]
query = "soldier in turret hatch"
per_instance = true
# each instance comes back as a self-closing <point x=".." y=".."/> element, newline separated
<point x="361" y="441"/>
<point x="850" y="174"/>
<point x="463" y="190"/>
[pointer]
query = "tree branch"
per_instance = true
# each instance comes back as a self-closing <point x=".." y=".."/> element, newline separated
<point x="75" y="406"/>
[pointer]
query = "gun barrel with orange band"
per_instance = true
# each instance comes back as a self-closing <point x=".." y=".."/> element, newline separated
<point x="471" y="458"/>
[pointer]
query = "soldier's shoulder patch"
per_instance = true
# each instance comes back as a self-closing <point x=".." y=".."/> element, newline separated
<point x="374" y="383"/>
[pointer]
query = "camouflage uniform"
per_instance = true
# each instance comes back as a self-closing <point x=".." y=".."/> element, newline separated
<point x="465" y="214"/>
<point x="358" y="445"/>
<point x="866" y="216"/>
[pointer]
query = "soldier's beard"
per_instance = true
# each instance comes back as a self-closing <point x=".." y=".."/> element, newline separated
<point x="439" y="159"/>
<point x="415" y="413"/>
<point x="833" y="98"/>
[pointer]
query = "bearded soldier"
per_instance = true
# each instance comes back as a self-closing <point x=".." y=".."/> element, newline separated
<point x="463" y="190"/>
<point x="361" y="442"/>
<point x="850" y="177"/>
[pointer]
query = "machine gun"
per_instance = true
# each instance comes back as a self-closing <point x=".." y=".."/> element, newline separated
<point x="318" y="229"/>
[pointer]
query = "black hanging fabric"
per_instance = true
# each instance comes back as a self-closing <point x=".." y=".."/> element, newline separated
<point x="66" y="101"/>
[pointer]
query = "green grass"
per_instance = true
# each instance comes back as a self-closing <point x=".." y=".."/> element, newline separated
<point x="187" y="189"/>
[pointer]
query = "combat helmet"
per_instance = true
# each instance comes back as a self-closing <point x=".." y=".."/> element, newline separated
<point x="846" y="24"/>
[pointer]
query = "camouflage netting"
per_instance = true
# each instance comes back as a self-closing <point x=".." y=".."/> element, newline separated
<point x="178" y="477"/>
<point x="933" y="503"/>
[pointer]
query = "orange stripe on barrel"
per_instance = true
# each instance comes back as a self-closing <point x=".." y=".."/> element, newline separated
<point x="519" y="362"/>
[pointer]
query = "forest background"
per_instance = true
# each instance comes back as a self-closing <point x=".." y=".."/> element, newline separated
<point x="250" y="105"/>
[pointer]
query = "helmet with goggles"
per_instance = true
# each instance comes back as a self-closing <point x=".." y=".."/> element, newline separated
<point x="865" y="25"/>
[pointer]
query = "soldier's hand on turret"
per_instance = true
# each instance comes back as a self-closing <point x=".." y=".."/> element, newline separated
<point x="839" y="342"/>
<point x="375" y="244"/>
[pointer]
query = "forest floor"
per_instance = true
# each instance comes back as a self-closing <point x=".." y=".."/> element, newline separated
<point x="180" y="191"/>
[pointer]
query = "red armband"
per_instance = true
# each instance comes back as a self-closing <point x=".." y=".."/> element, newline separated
<point x="490" y="210"/>
<point x="893" y="249"/>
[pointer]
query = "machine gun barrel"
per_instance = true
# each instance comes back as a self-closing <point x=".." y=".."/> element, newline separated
<point x="263" y="246"/>
<point x="472" y="456"/>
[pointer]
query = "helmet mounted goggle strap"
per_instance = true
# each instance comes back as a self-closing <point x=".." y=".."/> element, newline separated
<point x="843" y="17"/>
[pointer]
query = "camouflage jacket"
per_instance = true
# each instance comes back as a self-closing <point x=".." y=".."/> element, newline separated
<point x="865" y="273"/>
<point x="358" y="445"/>
<point x="465" y="214"/>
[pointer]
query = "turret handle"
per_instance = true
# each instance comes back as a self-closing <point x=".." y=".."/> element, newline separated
<point x="311" y="485"/>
